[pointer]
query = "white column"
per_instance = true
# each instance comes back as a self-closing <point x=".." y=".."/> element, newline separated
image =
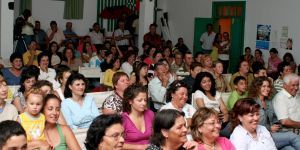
<point x="6" y="29"/>
<point x="146" y="17"/>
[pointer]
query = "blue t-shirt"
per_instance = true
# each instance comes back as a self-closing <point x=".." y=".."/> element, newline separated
<point x="79" y="116"/>
<point x="10" y="78"/>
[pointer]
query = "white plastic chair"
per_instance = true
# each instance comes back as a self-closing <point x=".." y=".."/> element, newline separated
<point x="91" y="72"/>
<point x="99" y="97"/>
<point x="80" y="135"/>
<point x="193" y="101"/>
<point x="225" y="97"/>
<point x="11" y="90"/>
<point x="227" y="77"/>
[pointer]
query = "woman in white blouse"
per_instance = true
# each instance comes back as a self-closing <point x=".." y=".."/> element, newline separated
<point x="206" y="95"/>
<point x="247" y="133"/>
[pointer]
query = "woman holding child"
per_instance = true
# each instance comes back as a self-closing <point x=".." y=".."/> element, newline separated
<point x="60" y="137"/>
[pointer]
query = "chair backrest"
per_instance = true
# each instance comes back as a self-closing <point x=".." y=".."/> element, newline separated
<point x="11" y="90"/>
<point x="227" y="77"/>
<point x="225" y="97"/>
<point x="194" y="101"/>
<point x="91" y="72"/>
<point x="80" y="135"/>
<point x="99" y="97"/>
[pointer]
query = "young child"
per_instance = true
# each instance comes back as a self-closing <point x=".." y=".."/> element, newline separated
<point x="240" y="85"/>
<point x="32" y="120"/>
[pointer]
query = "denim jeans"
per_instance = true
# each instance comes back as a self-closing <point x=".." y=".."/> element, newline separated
<point x="286" y="140"/>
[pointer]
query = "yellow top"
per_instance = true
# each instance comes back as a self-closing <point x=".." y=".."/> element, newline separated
<point x="34" y="126"/>
<point x="107" y="79"/>
<point x="26" y="57"/>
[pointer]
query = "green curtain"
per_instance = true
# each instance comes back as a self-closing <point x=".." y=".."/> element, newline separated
<point x="25" y="4"/>
<point x="73" y="9"/>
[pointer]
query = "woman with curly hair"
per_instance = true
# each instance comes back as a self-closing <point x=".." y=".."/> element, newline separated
<point x="260" y="92"/>
<point x="106" y="132"/>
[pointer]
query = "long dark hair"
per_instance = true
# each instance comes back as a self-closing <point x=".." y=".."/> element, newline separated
<point x="137" y="67"/>
<point x="197" y="84"/>
<point x="256" y="86"/>
<point x="73" y="77"/>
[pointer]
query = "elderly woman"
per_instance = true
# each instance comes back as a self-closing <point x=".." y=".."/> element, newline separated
<point x="46" y="73"/>
<point x="13" y="75"/>
<point x="78" y="109"/>
<point x="105" y="132"/>
<point x="221" y="83"/>
<point x="207" y="64"/>
<point x="58" y="136"/>
<point x="247" y="133"/>
<point x="137" y="118"/>
<point x="206" y="130"/>
<point x="243" y="71"/>
<point x="169" y="132"/>
<point x="176" y="97"/>
<point x="260" y="91"/>
<point x="113" y="103"/>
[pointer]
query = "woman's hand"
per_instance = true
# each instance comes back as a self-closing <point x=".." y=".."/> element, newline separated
<point x="275" y="128"/>
<point x="190" y="145"/>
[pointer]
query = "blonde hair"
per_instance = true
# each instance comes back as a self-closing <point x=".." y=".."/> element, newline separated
<point x="33" y="90"/>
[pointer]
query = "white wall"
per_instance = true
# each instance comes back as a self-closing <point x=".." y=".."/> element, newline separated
<point x="276" y="13"/>
<point x="145" y="19"/>
<point x="6" y="29"/>
<point x="47" y="10"/>
<point x="182" y="15"/>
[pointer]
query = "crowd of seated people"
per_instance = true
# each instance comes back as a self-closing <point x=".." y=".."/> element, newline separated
<point x="166" y="98"/>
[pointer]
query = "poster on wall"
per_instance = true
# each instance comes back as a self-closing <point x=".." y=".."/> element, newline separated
<point x="284" y="31"/>
<point x="263" y="36"/>
<point x="285" y="41"/>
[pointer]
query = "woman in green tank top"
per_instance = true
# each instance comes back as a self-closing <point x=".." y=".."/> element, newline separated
<point x="60" y="137"/>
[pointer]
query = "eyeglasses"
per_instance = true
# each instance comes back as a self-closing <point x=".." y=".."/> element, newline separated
<point x="213" y="123"/>
<point x="116" y="136"/>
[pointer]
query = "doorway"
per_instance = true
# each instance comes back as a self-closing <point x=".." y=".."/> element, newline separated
<point x="226" y="17"/>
